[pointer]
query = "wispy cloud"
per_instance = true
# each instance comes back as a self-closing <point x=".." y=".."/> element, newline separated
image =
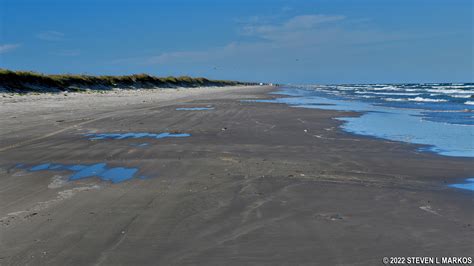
<point x="310" y="36"/>
<point x="297" y="23"/>
<point x="286" y="9"/>
<point x="50" y="35"/>
<point x="73" y="52"/>
<point x="5" y="48"/>
<point x="176" y="56"/>
<point x="171" y="57"/>
<point x="317" y="29"/>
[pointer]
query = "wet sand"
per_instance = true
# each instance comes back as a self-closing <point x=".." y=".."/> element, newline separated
<point x="255" y="183"/>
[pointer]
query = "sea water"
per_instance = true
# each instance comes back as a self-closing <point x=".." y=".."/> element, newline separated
<point x="439" y="116"/>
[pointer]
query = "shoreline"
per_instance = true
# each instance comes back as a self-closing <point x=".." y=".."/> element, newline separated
<point x="463" y="183"/>
<point x="248" y="175"/>
<point x="373" y="127"/>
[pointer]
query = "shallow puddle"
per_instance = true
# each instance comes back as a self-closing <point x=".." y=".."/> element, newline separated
<point x="140" y="144"/>
<point x="469" y="185"/>
<point x="101" y="136"/>
<point x="194" y="108"/>
<point x="100" y="170"/>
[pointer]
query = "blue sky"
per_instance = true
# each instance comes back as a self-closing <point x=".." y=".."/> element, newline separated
<point x="325" y="41"/>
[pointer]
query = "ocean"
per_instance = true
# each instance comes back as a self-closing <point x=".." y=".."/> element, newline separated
<point x="436" y="115"/>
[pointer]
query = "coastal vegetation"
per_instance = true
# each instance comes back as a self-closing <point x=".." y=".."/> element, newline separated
<point x="28" y="81"/>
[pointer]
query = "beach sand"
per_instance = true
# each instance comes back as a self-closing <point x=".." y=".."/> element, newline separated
<point x="255" y="183"/>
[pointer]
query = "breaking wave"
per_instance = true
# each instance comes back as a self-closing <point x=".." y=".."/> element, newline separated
<point x="420" y="99"/>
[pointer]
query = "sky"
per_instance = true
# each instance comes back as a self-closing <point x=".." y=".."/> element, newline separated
<point x="280" y="41"/>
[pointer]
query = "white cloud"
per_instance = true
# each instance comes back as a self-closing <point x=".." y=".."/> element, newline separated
<point x="50" y="35"/>
<point x="5" y="48"/>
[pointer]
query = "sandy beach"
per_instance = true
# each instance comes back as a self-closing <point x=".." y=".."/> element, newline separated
<point x="253" y="184"/>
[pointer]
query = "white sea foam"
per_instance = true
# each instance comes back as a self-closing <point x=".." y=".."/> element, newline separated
<point x="416" y="99"/>
<point x="346" y="88"/>
<point x="469" y="103"/>
<point x="420" y="99"/>
<point x="460" y="96"/>
<point x="451" y="91"/>
<point x="388" y="93"/>
<point x="389" y="88"/>
<point x="460" y="86"/>
<point x="394" y="99"/>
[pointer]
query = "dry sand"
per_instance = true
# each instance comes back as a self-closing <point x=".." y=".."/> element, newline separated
<point x="254" y="184"/>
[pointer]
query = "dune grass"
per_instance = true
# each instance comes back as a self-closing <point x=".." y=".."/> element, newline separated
<point x="28" y="81"/>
